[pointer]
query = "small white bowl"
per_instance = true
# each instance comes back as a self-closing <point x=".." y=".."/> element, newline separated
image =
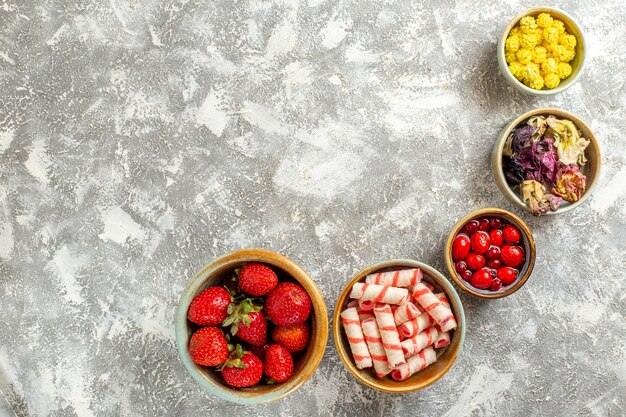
<point x="577" y="64"/>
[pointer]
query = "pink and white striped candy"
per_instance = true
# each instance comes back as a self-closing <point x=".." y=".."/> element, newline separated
<point x="363" y="315"/>
<point x="419" y="342"/>
<point x="444" y="300"/>
<point x="415" y="364"/>
<point x="400" y="278"/>
<point x="379" y="293"/>
<point x="376" y="348"/>
<point x="404" y="313"/>
<point x="443" y="340"/>
<point x="366" y="305"/>
<point x="442" y="315"/>
<point x="354" y="333"/>
<point x="389" y="335"/>
<point x="417" y="325"/>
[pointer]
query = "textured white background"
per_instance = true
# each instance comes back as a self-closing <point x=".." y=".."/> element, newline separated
<point x="139" y="139"/>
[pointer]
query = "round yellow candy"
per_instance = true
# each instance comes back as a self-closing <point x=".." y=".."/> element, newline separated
<point x="531" y="71"/>
<point x="559" y="26"/>
<point x="517" y="70"/>
<point x="512" y="43"/>
<point x="539" y="54"/>
<point x="528" y="22"/>
<point x="549" y="66"/>
<point x="537" y="83"/>
<point x="552" y="80"/>
<point x="544" y="20"/>
<point x="551" y="34"/>
<point x="568" y="41"/>
<point x="524" y="56"/>
<point x="528" y="41"/>
<point x="510" y="56"/>
<point x="561" y="53"/>
<point x="564" y="70"/>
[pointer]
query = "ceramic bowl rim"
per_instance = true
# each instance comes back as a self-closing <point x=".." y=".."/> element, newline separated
<point x="318" y="307"/>
<point x="498" y="149"/>
<point x="570" y="81"/>
<point x="530" y="260"/>
<point x="338" y="329"/>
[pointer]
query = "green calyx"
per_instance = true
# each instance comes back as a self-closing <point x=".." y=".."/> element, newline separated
<point x="238" y="313"/>
<point x="234" y="358"/>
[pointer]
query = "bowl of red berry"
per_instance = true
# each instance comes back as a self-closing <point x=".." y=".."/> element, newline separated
<point x="490" y="253"/>
<point x="251" y="326"/>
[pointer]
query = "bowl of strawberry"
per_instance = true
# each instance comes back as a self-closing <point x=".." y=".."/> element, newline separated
<point x="251" y="326"/>
<point x="490" y="253"/>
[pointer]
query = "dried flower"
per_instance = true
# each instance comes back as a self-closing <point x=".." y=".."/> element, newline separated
<point x="570" y="183"/>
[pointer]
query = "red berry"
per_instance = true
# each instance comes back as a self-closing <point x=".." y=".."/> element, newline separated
<point x="208" y="347"/>
<point x="255" y="331"/>
<point x="495" y="223"/>
<point x="293" y="338"/>
<point x="507" y="275"/>
<point x="475" y="261"/>
<point x="512" y="255"/>
<point x="493" y="252"/>
<point x="496" y="237"/>
<point x="494" y="263"/>
<point x="480" y="242"/>
<point x="460" y="247"/>
<point x="511" y="234"/>
<point x="484" y="225"/>
<point x="482" y="279"/>
<point x="278" y="363"/>
<point x="288" y="304"/>
<point x="471" y="227"/>
<point x="209" y="308"/>
<point x="460" y="266"/>
<point x="467" y="275"/>
<point x="257" y="279"/>
<point x="244" y="372"/>
<point x="495" y="285"/>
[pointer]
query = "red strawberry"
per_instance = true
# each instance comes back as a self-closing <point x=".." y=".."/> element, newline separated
<point x="288" y="304"/>
<point x="208" y="347"/>
<point x="257" y="279"/>
<point x="293" y="338"/>
<point x="245" y="371"/>
<point x="247" y="322"/>
<point x="278" y="363"/>
<point x="255" y="332"/>
<point x="209" y="308"/>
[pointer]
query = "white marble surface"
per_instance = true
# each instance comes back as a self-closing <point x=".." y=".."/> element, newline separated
<point x="139" y="139"/>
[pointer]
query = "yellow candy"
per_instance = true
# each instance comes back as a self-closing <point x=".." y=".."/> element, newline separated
<point x="537" y="83"/>
<point x="512" y="43"/>
<point x="538" y="50"/>
<point x="552" y="80"/>
<point x="568" y="41"/>
<point x="549" y="66"/>
<point x="524" y="56"/>
<point x="561" y="53"/>
<point x="510" y="57"/>
<point x="539" y="54"/>
<point x="560" y="26"/>
<point x="551" y="34"/>
<point x="528" y="41"/>
<point x="544" y="20"/>
<point x="527" y="22"/>
<point x="517" y="70"/>
<point x="564" y="70"/>
<point x="531" y="71"/>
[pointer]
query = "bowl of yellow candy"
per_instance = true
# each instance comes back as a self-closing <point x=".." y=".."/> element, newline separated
<point x="542" y="51"/>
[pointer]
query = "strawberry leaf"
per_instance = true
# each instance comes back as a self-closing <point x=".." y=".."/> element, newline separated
<point x="230" y="347"/>
<point x="234" y="328"/>
<point x="239" y="350"/>
<point x="246" y="320"/>
<point x="271" y="381"/>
